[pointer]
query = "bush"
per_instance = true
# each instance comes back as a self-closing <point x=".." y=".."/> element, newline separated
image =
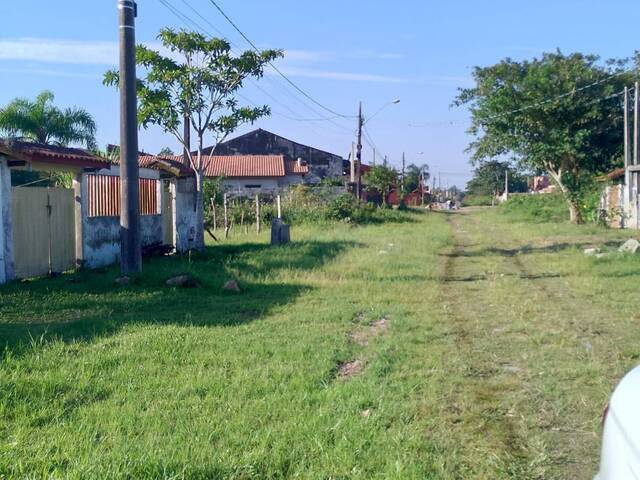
<point x="537" y="208"/>
<point x="476" y="200"/>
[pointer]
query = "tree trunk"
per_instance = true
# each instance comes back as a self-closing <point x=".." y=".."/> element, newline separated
<point x="575" y="212"/>
<point x="199" y="199"/>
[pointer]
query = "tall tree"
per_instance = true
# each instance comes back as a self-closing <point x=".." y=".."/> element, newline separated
<point x="198" y="79"/>
<point x="381" y="179"/>
<point x="40" y="121"/>
<point x="489" y="179"/>
<point x="559" y="113"/>
<point x="413" y="176"/>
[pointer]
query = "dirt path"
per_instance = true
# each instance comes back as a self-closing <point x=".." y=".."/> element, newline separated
<point x="517" y="330"/>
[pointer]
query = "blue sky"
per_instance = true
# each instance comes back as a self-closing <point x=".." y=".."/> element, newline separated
<point x="339" y="52"/>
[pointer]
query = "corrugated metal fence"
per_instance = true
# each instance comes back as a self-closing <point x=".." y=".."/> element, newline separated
<point x="104" y="196"/>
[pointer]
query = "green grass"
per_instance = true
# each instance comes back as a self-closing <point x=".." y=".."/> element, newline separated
<point x="502" y="345"/>
<point x="540" y="208"/>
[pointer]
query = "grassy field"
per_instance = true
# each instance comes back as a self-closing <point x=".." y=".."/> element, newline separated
<point x="452" y="346"/>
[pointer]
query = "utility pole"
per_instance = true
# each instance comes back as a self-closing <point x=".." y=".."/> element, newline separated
<point x="374" y="157"/>
<point x="187" y="139"/>
<point x="634" y="175"/>
<point x="352" y="165"/>
<point x="359" y="152"/>
<point x="402" y="184"/>
<point x="130" y="242"/>
<point x="627" y="193"/>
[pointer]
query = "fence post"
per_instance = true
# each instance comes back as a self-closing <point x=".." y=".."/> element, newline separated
<point x="213" y="212"/>
<point x="257" y="213"/>
<point x="279" y="207"/>
<point x="226" y="215"/>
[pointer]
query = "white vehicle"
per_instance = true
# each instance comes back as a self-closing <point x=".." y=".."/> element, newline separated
<point x="620" y="458"/>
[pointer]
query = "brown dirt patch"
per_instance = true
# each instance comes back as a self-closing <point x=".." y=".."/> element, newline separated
<point x="350" y="369"/>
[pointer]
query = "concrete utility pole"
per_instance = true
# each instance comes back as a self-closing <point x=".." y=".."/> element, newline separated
<point x="402" y="183"/>
<point x="374" y="157"/>
<point x="627" y="192"/>
<point x="130" y="242"/>
<point x="352" y="165"/>
<point x="359" y="152"/>
<point x="506" y="183"/>
<point x="187" y="139"/>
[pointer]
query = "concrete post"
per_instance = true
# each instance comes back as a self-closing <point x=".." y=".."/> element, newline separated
<point x="81" y="212"/>
<point x="6" y="223"/>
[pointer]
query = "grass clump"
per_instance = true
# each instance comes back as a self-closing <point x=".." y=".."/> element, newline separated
<point x="477" y="200"/>
<point x="547" y="208"/>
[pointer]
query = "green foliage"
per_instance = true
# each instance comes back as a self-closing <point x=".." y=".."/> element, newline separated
<point x="166" y="152"/>
<point x="380" y="179"/>
<point x="477" y="200"/>
<point x="489" y="178"/>
<point x="572" y="137"/>
<point x="199" y="79"/>
<point x="536" y="208"/>
<point x="413" y="175"/>
<point x="40" y="121"/>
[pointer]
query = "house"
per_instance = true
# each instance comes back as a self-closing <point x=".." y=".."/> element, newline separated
<point x="45" y="230"/>
<point x="321" y="164"/>
<point x="611" y="207"/>
<point x="246" y="175"/>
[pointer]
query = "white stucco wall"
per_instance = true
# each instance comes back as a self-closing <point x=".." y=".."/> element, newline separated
<point x="6" y="227"/>
<point x="184" y="213"/>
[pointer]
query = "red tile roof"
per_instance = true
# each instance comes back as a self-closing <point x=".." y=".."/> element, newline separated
<point x="245" y="166"/>
<point x="294" y="168"/>
<point x="230" y="166"/>
<point x="42" y="153"/>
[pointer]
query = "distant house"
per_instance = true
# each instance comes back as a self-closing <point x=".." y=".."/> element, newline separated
<point x="321" y="164"/>
<point x="612" y="198"/>
<point x="243" y="175"/>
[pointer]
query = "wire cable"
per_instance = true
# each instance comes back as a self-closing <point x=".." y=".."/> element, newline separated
<point x="289" y="81"/>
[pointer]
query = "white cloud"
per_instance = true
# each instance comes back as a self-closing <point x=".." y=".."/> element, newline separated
<point x="344" y="76"/>
<point x="59" y="51"/>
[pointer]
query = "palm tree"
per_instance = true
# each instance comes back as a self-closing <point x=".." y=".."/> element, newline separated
<point x="40" y="121"/>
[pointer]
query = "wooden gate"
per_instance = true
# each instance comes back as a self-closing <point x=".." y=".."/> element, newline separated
<point x="167" y="217"/>
<point x="43" y="230"/>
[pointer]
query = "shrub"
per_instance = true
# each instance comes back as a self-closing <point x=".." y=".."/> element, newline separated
<point x="537" y="208"/>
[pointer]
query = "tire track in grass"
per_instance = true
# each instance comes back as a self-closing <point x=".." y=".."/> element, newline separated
<point x="523" y="349"/>
<point x="476" y="417"/>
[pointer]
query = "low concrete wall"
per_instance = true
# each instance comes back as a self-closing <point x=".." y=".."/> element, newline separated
<point x="6" y="225"/>
<point x="102" y="238"/>
<point x="183" y="193"/>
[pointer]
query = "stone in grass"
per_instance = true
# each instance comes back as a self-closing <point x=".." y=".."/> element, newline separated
<point x="231" y="286"/>
<point x="591" y="251"/>
<point x="124" y="280"/>
<point x="630" y="246"/>
<point x="184" y="280"/>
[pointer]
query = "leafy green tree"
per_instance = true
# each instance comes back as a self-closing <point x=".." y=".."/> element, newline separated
<point x="489" y="178"/>
<point x="381" y="179"/>
<point x="40" y="121"/>
<point x="560" y="114"/>
<point x="166" y="152"/>
<point x="413" y="175"/>
<point x="199" y="79"/>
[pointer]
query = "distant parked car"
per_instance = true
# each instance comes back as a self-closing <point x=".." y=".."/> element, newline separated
<point x="620" y="459"/>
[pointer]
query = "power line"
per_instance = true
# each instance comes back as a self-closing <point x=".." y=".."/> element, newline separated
<point x="562" y="95"/>
<point x="186" y="19"/>
<point x="289" y="81"/>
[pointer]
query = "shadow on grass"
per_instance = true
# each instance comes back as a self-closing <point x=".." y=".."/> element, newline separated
<point x="525" y="249"/>
<point x="88" y="304"/>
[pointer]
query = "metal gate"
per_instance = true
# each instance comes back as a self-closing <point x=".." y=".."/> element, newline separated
<point x="43" y="230"/>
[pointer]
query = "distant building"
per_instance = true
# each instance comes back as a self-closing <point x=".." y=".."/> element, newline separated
<point x="321" y="164"/>
<point x="243" y="175"/>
